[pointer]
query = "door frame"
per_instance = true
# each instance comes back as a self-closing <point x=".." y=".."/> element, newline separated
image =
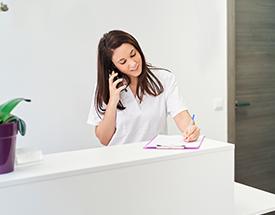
<point x="231" y="72"/>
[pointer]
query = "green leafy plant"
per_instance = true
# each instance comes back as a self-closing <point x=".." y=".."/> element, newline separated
<point x="3" y="7"/>
<point x="7" y="117"/>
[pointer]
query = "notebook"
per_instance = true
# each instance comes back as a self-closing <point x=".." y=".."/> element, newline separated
<point x="173" y="142"/>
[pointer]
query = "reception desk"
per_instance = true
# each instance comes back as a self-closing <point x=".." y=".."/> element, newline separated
<point x="124" y="180"/>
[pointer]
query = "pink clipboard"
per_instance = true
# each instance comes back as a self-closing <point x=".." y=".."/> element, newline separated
<point x="163" y="142"/>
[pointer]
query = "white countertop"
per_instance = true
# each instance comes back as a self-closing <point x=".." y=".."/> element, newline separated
<point x="99" y="159"/>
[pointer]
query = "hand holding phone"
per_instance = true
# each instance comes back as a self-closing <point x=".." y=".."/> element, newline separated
<point x="115" y="87"/>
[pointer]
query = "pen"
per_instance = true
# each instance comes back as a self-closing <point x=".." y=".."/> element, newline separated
<point x="192" y="121"/>
<point x="190" y="124"/>
<point x="193" y="118"/>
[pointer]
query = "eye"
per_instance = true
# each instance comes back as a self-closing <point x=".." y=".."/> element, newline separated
<point x="123" y="62"/>
<point x="133" y="55"/>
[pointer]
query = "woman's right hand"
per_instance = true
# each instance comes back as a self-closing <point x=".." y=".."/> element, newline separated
<point x="113" y="90"/>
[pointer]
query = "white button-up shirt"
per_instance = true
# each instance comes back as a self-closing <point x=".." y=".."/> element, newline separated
<point x="143" y="121"/>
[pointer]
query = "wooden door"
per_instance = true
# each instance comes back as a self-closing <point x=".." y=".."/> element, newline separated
<point x="255" y="93"/>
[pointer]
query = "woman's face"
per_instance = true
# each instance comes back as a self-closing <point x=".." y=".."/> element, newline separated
<point x="128" y="60"/>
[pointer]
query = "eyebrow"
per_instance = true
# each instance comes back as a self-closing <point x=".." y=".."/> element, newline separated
<point x="131" y="52"/>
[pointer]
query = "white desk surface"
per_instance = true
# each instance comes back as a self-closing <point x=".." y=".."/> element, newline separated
<point x="99" y="159"/>
<point x="249" y="200"/>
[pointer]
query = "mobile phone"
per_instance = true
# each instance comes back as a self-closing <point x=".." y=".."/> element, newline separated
<point x="119" y="74"/>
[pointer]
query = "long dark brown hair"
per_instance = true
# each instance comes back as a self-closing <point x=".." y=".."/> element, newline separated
<point x="147" y="81"/>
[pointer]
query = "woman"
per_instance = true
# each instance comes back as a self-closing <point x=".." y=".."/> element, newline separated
<point x="132" y="98"/>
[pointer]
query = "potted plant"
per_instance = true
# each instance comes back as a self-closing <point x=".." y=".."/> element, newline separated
<point x="3" y="7"/>
<point x="9" y="127"/>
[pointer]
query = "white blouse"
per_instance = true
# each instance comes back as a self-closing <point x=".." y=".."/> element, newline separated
<point x="143" y="121"/>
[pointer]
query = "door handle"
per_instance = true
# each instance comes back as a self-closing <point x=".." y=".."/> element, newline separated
<point x="241" y="104"/>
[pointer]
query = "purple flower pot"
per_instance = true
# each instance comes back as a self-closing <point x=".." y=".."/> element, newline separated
<point x="8" y="134"/>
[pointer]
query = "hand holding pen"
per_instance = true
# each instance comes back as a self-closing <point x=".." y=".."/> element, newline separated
<point x="192" y="131"/>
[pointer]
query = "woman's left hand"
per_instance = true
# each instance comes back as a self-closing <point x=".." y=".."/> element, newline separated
<point x="192" y="133"/>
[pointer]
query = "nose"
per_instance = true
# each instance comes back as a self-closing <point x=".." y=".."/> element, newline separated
<point x="132" y="64"/>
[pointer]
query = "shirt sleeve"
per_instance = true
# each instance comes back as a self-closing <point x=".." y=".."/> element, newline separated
<point x="94" y="118"/>
<point x="174" y="100"/>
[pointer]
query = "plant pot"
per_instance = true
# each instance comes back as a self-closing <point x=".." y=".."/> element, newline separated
<point x="8" y="134"/>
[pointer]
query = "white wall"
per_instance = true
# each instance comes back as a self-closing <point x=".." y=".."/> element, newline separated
<point x="48" y="54"/>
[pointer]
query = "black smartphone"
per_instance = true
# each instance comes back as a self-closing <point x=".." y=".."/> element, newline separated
<point x="119" y="74"/>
